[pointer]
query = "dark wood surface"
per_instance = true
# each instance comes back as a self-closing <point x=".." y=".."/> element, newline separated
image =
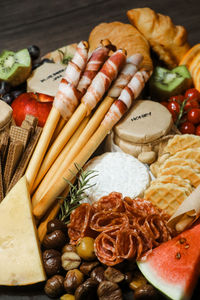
<point x="51" y="24"/>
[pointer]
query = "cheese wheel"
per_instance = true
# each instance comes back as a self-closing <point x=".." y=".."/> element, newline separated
<point x="117" y="172"/>
<point x="145" y="122"/>
<point x="5" y="115"/>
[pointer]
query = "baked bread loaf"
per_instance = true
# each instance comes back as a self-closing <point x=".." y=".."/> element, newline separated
<point x="122" y="36"/>
<point x="166" y="39"/>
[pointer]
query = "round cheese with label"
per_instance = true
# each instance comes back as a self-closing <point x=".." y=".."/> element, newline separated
<point x="5" y="115"/>
<point x="145" y="122"/>
<point x="46" y="78"/>
<point x="116" y="172"/>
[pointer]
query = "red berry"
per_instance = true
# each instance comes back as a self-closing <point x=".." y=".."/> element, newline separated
<point x="191" y="104"/>
<point x="187" y="127"/>
<point x="192" y="94"/>
<point x="197" y="131"/>
<point x="193" y="115"/>
<point x="178" y="98"/>
<point x="174" y="109"/>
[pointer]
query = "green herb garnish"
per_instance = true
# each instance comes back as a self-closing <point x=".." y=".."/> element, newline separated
<point x="76" y="192"/>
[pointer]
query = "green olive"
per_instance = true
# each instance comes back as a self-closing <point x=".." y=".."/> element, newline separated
<point x="85" y="248"/>
<point x="67" y="297"/>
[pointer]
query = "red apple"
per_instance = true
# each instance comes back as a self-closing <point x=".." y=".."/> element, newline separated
<point x="30" y="103"/>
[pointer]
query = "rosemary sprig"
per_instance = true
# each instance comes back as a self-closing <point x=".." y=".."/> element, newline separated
<point x="76" y="193"/>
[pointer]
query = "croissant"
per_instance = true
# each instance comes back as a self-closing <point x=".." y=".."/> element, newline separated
<point x="122" y="36"/>
<point x="166" y="39"/>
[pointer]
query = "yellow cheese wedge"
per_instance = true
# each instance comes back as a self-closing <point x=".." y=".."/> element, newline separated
<point x="20" y="256"/>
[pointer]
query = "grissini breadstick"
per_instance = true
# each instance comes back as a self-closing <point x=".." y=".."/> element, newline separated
<point x="64" y="103"/>
<point x="118" y="108"/>
<point x="42" y="228"/>
<point x="68" y="148"/>
<point x="96" y="60"/>
<point x="66" y="156"/>
<point x="95" y="92"/>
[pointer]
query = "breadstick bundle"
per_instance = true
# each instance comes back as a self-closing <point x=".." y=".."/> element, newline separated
<point x="67" y="98"/>
<point x="116" y="111"/>
<point x="66" y="156"/>
<point x="99" y="85"/>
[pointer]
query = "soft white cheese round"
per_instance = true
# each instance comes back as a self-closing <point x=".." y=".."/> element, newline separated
<point x="117" y="172"/>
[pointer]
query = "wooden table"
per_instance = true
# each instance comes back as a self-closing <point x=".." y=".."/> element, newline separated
<point x="51" y="24"/>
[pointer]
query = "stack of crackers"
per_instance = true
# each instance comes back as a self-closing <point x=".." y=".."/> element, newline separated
<point x="177" y="172"/>
<point x="16" y="148"/>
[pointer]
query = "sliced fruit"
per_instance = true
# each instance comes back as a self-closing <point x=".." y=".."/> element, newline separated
<point x="15" y="67"/>
<point x="165" y="83"/>
<point x="183" y="71"/>
<point x="20" y="255"/>
<point x="173" y="267"/>
<point x="189" y="56"/>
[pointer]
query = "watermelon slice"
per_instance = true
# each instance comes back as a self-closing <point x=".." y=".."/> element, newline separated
<point x="174" y="266"/>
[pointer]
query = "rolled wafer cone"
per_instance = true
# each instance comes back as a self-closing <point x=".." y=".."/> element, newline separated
<point x="67" y="148"/>
<point x="66" y="156"/>
<point x="42" y="146"/>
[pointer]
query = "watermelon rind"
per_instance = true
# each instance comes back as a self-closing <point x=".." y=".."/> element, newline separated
<point x="172" y="291"/>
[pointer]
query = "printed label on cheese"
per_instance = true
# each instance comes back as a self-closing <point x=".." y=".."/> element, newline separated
<point x="145" y="122"/>
<point x="46" y="78"/>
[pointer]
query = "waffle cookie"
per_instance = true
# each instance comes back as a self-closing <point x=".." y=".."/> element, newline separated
<point x="182" y="142"/>
<point x="20" y="170"/>
<point x="170" y="162"/>
<point x="189" y="154"/>
<point x="184" y="183"/>
<point x="166" y="196"/>
<point x="183" y="171"/>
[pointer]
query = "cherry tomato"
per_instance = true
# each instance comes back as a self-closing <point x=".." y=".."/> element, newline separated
<point x="192" y="94"/>
<point x="178" y="98"/>
<point x="174" y="109"/>
<point x="193" y="115"/>
<point x="187" y="127"/>
<point x="191" y="104"/>
<point x="197" y="131"/>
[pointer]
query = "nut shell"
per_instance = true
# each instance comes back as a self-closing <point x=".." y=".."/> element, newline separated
<point x="54" y="286"/>
<point x="52" y="261"/>
<point x="54" y="240"/>
<point x="70" y="260"/>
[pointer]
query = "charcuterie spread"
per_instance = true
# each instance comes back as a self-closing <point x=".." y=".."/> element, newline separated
<point x="100" y="164"/>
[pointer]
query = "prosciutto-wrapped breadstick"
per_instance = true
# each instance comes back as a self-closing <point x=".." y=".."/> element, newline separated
<point x="64" y="104"/>
<point x="95" y="92"/>
<point x="95" y="62"/>
<point x="117" y="109"/>
<point x="66" y="156"/>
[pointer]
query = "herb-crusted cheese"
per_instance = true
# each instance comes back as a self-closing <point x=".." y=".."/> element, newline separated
<point x="117" y="172"/>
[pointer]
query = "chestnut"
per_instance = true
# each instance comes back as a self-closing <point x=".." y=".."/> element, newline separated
<point x="54" y="240"/>
<point x="72" y="280"/>
<point x="52" y="261"/>
<point x="56" y="224"/>
<point x="54" y="286"/>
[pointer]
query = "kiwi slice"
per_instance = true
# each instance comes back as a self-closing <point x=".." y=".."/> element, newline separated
<point x="165" y="83"/>
<point x="183" y="71"/>
<point x="15" y="67"/>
